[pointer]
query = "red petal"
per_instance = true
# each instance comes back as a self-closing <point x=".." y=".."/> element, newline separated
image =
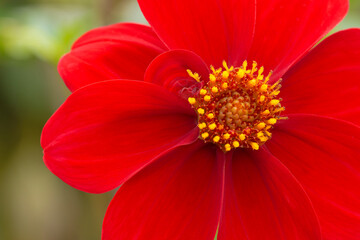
<point x="285" y="30"/>
<point x="107" y="131"/>
<point x="169" y="70"/>
<point x="177" y="197"/>
<point x="120" y="51"/>
<point x="326" y="81"/>
<point x="216" y="30"/>
<point x="323" y="154"/>
<point x="264" y="201"/>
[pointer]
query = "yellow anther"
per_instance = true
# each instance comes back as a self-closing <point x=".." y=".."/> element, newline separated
<point x="274" y="102"/>
<point x="227" y="147"/>
<point x="212" y="78"/>
<point x="226" y="66"/>
<point x="275" y="93"/>
<point x="263" y="87"/>
<point x="254" y="65"/>
<point x="214" y="89"/>
<point x="210" y="116"/>
<point x="212" y="69"/>
<point x="283" y="118"/>
<point x="224" y="85"/>
<point x="216" y="139"/>
<point x="279" y="109"/>
<point x="275" y="84"/>
<point x="203" y="91"/>
<point x="266" y="112"/>
<point x="268" y="133"/>
<point x="261" y="70"/>
<point x="254" y="145"/>
<point x="241" y="73"/>
<point x="192" y="100"/>
<point x="244" y="65"/>
<point x="261" y="136"/>
<point x="212" y="126"/>
<point x="271" y="121"/>
<point x="262" y="98"/>
<point x="205" y="135"/>
<point x="268" y="77"/>
<point x="236" y="144"/>
<point x="225" y="74"/>
<point x="260" y="125"/>
<point x="193" y="75"/>
<point x="242" y="137"/>
<point x="226" y="136"/>
<point x="201" y="111"/>
<point x="207" y="98"/>
<point x="252" y="83"/>
<point x="202" y="125"/>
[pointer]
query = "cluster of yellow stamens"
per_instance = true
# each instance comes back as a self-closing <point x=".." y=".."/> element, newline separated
<point x="237" y="107"/>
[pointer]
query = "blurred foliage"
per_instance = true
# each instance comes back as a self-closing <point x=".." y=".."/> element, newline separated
<point x="34" y="204"/>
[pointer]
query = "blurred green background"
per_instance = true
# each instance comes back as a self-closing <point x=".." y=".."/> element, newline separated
<point x="34" y="204"/>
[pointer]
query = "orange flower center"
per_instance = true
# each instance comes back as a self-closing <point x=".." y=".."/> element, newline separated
<point x="237" y="107"/>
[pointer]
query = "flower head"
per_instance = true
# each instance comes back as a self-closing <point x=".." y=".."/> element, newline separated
<point x="221" y="118"/>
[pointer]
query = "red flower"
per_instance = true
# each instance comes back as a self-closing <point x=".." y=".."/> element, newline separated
<point x="182" y="143"/>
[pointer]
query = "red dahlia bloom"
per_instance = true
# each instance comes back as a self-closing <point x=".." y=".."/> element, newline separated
<point x="184" y="117"/>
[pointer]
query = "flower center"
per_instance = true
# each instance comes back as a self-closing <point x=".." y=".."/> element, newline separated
<point x="237" y="107"/>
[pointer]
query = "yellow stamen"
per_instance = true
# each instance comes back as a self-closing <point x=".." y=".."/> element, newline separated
<point x="205" y="135"/>
<point x="201" y="111"/>
<point x="266" y="112"/>
<point x="226" y="66"/>
<point x="275" y="93"/>
<point x="242" y="137"/>
<point x="212" y="126"/>
<point x="210" y="116"/>
<point x="254" y="67"/>
<point x="203" y="91"/>
<point x="274" y="102"/>
<point x="263" y="87"/>
<point x="241" y="73"/>
<point x="207" y="98"/>
<point x="193" y="75"/>
<point x="214" y="89"/>
<point x="212" y="78"/>
<point x="252" y="83"/>
<point x="260" y="125"/>
<point x="226" y="136"/>
<point x="254" y="145"/>
<point x="202" y="125"/>
<point x="224" y="85"/>
<point x="271" y="121"/>
<point x="225" y="75"/>
<point x="236" y="144"/>
<point x="268" y="77"/>
<point x="192" y="100"/>
<point x="227" y="147"/>
<point x="216" y="139"/>
<point x="244" y="65"/>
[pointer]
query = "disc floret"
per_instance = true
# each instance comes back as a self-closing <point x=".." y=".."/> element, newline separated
<point x="237" y="107"/>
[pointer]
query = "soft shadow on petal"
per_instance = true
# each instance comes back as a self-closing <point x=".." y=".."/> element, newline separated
<point x="119" y="51"/>
<point x="286" y="30"/>
<point x="262" y="200"/>
<point x="323" y="154"/>
<point x="106" y="132"/>
<point x="170" y="71"/>
<point x="327" y="80"/>
<point x="176" y="197"/>
<point x="216" y="30"/>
